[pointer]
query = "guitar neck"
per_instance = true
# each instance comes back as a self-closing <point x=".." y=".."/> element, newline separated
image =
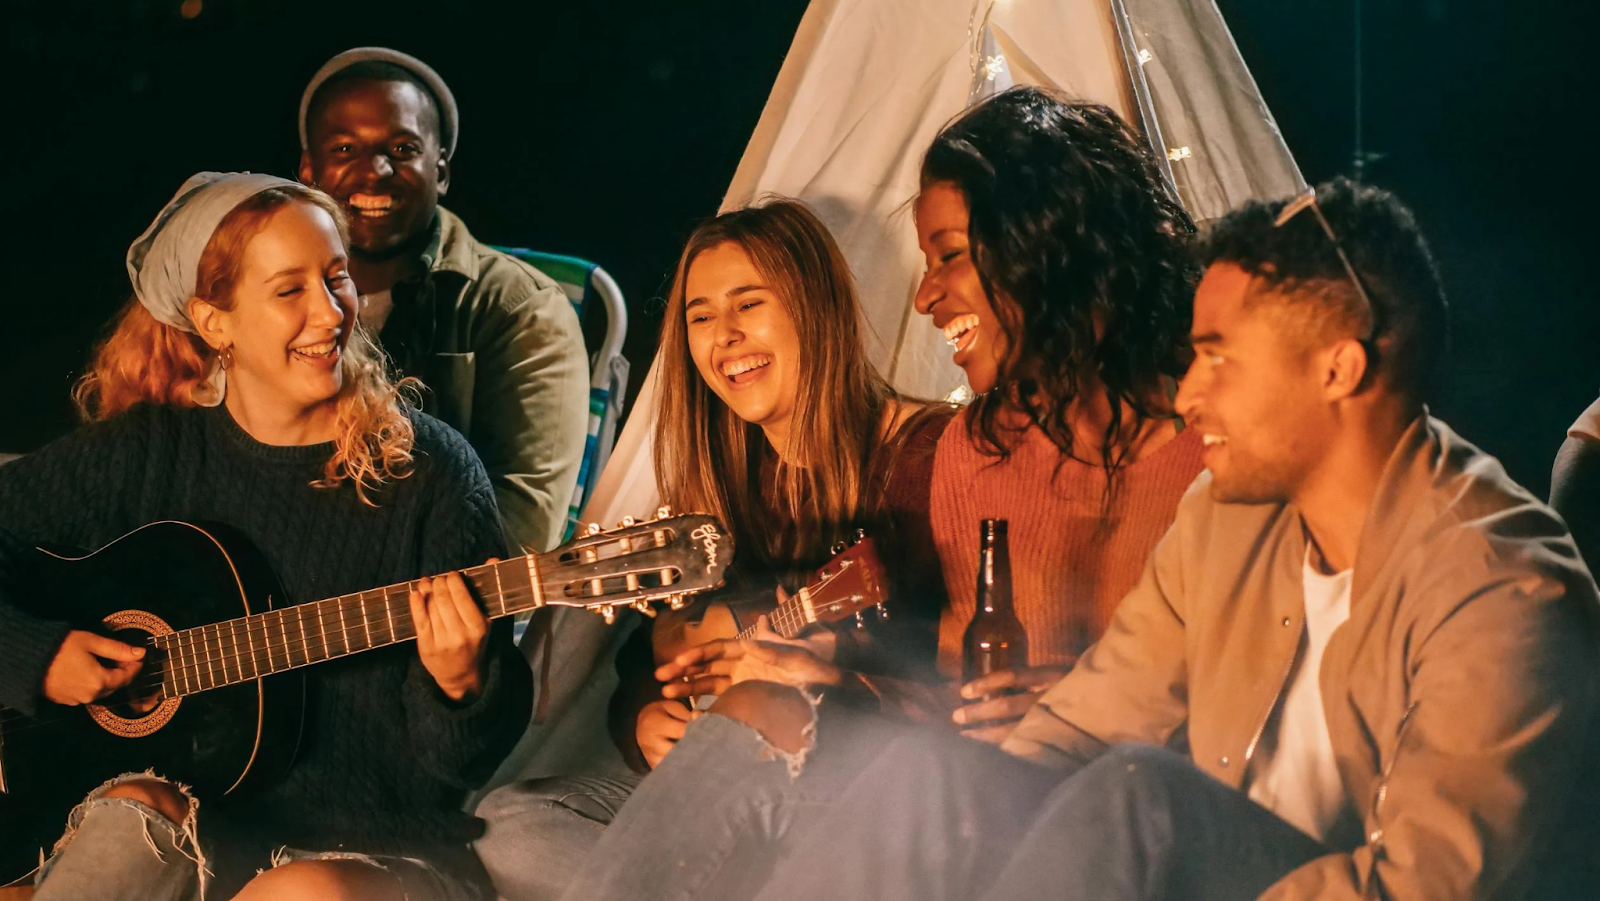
<point x="250" y="647"/>
<point x="789" y="619"/>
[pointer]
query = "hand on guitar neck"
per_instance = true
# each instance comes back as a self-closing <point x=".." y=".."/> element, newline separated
<point x="452" y="635"/>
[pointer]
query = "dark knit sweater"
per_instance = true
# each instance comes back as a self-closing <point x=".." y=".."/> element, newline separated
<point x="387" y="759"/>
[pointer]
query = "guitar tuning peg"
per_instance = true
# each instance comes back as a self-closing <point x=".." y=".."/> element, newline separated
<point x="592" y="529"/>
<point x="644" y="608"/>
<point x="837" y="548"/>
<point x="883" y="613"/>
<point x="861" y="620"/>
<point x="627" y="521"/>
<point x="677" y="602"/>
<point x="859" y="536"/>
<point x="663" y="512"/>
<point x="609" y="615"/>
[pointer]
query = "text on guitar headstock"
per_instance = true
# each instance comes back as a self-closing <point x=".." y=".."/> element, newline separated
<point x="662" y="559"/>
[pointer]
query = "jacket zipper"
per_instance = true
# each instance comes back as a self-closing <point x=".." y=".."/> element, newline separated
<point x="1376" y="837"/>
<point x="1283" y="683"/>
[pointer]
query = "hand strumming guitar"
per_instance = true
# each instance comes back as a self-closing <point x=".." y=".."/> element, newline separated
<point x="452" y="634"/>
<point x="88" y="667"/>
<point x="1010" y="693"/>
<point x="769" y="657"/>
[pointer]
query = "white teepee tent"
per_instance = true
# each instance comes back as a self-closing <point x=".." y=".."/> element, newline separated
<point x="868" y="83"/>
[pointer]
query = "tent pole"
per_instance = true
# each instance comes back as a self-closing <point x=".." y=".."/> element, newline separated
<point x="1359" y="163"/>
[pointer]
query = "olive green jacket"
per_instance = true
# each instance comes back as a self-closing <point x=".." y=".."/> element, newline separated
<point x="1459" y="695"/>
<point x="499" y="348"/>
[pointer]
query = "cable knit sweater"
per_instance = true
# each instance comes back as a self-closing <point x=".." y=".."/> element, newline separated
<point x="386" y="759"/>
<point x="1072" y="559"/>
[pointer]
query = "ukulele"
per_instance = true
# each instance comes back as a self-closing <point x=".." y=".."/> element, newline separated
<point x="217" y="703"/>
<point x="845" y="588"/>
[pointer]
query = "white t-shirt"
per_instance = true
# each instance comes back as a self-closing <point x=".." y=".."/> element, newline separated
<point x="375" y="309"/>
<point x="1294" y="773"/>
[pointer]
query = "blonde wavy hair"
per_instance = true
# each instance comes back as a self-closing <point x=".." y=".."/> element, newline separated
<point x="146" y="361"/>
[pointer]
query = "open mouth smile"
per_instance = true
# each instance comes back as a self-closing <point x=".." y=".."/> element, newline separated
<point x="746" y="369"/>
<point x="323" y="354"/>
<point x="370" y="206"/>
<point x="961" y="332"/>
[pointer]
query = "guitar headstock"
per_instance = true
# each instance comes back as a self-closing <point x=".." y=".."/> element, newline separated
<point x="850" y="584"/>
<point x="666" y="558"/>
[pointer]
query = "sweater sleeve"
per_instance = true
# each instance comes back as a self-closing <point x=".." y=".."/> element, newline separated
<point x="1131" y="686"/>
<point x="463" y="743"/>
<point x="71" y="493"/>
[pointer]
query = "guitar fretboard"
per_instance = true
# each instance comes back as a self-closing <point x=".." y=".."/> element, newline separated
<point x="788" y="620"/>
<point x="249" y="647"/>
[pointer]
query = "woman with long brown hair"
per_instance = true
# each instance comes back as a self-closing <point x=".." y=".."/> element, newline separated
<point x="237" y="388"/>
<point x="773" y="419"/>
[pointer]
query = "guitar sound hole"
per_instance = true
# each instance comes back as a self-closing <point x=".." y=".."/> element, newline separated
<point x="143" y="696"/>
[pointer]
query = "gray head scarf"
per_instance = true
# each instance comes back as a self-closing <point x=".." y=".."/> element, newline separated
<point x="163" y="262"/>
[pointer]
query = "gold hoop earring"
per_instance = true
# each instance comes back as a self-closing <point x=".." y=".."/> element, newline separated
<point x="225" y="356"/>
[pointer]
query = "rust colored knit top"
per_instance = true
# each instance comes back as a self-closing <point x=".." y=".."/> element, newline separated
<point x="1071" y="560"/>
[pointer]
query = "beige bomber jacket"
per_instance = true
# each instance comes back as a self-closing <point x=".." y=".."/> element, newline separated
<point x="1460" y="694"/>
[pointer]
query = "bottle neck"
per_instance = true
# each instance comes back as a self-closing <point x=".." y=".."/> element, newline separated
<point x="994" y="574"/>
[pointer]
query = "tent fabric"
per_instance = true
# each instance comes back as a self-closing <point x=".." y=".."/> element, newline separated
<point x="868" y="83"/>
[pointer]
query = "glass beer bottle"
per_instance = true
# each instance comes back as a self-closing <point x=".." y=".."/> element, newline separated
<point x="994" y="640"/>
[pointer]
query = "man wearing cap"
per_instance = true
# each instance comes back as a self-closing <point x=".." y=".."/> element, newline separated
<point x="494" y="340"/>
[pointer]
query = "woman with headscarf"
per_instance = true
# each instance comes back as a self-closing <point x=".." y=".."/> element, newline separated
<point x="236" y="388"/>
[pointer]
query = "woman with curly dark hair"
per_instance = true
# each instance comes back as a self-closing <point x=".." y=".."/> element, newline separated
<point x="1058" y="269"/>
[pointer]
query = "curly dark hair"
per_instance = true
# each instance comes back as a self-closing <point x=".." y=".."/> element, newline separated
<point x="1084" y="253"/>
<point x="1409" y="320"/>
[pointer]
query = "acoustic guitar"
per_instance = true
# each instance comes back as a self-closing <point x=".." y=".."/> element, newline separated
<point x="217" y="703"/>
<point x="850" y="584"/>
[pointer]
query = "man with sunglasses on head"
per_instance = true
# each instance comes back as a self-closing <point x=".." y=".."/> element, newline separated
<point x="1363" y="663"/>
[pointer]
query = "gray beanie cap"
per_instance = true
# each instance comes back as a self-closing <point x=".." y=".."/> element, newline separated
<point x="449" y="117"/>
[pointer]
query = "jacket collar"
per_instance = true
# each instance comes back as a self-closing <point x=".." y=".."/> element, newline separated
<point x="451" y="248"/>
<point x="1403" y="490"/>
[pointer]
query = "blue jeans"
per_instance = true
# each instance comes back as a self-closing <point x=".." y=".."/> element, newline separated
<point x="537" y="831"/>
<point x="880" y="811"/>
<point x="119" y="849"/>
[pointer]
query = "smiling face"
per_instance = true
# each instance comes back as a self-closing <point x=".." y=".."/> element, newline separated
<point x="951" y="292"/>
<point x="1253" y="391"/>
<point x="374" y="146"/>
<point x="291" y="313"/>
<point x="742" y="339"/>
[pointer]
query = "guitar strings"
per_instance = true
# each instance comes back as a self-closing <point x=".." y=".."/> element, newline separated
<point x="186" y="642"/>
<point x="184" y="657"/>
<point x="198" y="653"/>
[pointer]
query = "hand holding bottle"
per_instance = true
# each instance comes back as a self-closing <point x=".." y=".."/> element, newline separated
<point x="996" y="702"/>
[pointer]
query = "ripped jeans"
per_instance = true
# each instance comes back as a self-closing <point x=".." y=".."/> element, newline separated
<point x="120" y="849"/>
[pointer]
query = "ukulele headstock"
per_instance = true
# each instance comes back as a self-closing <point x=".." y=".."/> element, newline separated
<point x="666" y="558"/>
<point x="852" y="583"/>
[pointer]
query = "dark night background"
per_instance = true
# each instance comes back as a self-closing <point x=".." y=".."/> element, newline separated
<point x="604" y="128"/>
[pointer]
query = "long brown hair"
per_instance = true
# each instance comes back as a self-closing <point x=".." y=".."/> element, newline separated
<point x="147" y="361"/>
<point x="708" y="459"/>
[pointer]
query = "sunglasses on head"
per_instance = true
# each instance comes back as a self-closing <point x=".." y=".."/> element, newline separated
<point x="1308" y="201"/>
